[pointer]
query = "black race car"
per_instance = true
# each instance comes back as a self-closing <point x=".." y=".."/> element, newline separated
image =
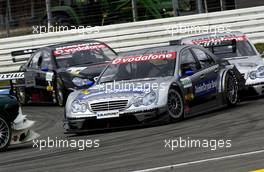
<point x="52" y="72"/>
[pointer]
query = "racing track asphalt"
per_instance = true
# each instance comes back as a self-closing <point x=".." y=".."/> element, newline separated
<point x="143" y="148"/>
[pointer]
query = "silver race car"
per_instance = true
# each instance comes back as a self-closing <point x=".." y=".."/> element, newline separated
<point x="163" y="83"/>
<point x="238" y="50"/>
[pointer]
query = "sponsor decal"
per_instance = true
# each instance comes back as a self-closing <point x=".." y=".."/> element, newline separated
<point x="49" y="88"/>
<point x="215" y="40"/>
<point x="107" y="114"/>
<point x="146" y="57"/>
<point x="186" y="82"/>
<point x="83" y="96"/>
<point x="80" y="47"/>
<point x="85" y="92"/>
<point x="76" y="70"/>
<point x="205" y="87"/>
<point x="10" y="76"/>
<point x="134" y="90"/>
<point x="49" y="76"/>
<point x="189" y="96"/>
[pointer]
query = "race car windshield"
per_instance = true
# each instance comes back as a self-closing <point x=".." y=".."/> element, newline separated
<point x="85" y="57"/>
<point x="243" y="48"/>
<point x="129" y="68"/>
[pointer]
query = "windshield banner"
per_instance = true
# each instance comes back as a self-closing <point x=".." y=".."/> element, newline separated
<point x="80" y="47"/>
<point x="146" y="57"/>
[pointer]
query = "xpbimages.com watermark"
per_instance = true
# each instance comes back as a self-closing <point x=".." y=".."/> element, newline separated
<point x="183" y="143"/>
<point x="196" y="30"/>
<point x="82" y="30"/>
<point x="80" y="144"/>
<point x="116" y="87"/>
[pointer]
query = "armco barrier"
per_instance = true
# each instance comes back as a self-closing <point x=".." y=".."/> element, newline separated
<point x="135" y="35"/>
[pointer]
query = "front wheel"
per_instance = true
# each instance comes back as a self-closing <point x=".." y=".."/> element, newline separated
<point x="231" y="90"/>
<point x="5" y="134"/>
<point x="175" y="105"/>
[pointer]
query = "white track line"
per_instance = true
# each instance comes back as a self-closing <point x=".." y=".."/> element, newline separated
<point x="202" y="161"/>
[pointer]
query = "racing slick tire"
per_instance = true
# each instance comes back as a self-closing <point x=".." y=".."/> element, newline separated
<point x="21" y="96"/>
<point x="175" y="105"/>
<point x="5" y="134"/>
<point x="230" y="90"/>
<point x="60" y="92"/>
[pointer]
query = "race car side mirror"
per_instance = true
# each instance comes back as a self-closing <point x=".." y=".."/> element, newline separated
<point x="189" y="73"/>
<point x="90" y="83"/>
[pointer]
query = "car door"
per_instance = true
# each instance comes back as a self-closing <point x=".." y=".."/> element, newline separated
<point x="35" y="67"/>
<point x="191" y="75"/>
<point x="47" y="70"/>
<point x="206" y="88"/>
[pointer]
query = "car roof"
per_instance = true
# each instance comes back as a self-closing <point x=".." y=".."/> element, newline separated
<point x="171" y="48"/>
<point x="72" y="43"/>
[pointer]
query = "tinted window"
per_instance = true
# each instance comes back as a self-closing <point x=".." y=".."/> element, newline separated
<point x="46" y="60"/>
<point x="204" y="59"/>
<point x="81" y="54"/>
<point x="140" y="66"/>
<point x="244" y="48"/>
<point x="188" y="62"/>
<point x="34" y="63"/>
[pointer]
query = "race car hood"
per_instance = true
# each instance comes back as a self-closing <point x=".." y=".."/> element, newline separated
<point x="86" y="71"/>
<point x="81" y="72"/>
<point x="247" y="62"/>
<point x="125" y="89"/>
<point x="251" y="67"/>
<point x="128" y="100"/>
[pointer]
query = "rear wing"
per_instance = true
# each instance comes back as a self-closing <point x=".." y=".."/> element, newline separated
<point x="13" y="80"/>
<point x="11" y="76"/>
<point x="14" y="54"/>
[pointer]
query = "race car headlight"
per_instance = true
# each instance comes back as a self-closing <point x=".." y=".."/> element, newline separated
<point x="259" y="73"/>
<point x="81" y="82"/>
<point x="147" y="100"/>
<point x="77" y="107"/>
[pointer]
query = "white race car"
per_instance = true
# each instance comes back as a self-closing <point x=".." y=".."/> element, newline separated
<point x="237" y="49"/>
<point x="14" y="126"/>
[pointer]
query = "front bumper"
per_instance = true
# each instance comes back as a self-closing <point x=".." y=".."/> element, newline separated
<point x="74" y="125"/>
<point x="253" y="90"/>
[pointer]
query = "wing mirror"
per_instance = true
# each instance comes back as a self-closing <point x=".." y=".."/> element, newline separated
<point x="45" y="69"/>
<point x="90" y="83"/>
<point x="189" y="73"/>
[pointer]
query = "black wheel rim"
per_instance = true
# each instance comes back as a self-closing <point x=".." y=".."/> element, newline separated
<point x="4" y="133"/>
<point x="231" y="91"/>
<point x="175" y="105"/>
